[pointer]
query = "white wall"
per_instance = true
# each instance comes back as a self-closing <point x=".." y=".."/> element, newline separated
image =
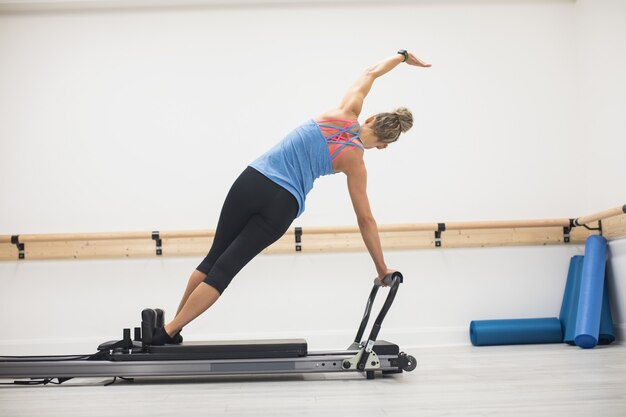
<point x="162" y="109"/>
<point x="601" y="64"/>
<point x="141" y="119"/>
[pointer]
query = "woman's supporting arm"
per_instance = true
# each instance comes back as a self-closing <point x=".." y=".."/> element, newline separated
<point x="357" y="187"/>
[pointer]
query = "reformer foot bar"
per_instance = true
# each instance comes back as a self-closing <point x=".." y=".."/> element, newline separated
<point x="128" y="358"/>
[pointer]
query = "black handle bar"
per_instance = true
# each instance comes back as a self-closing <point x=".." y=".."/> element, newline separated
<point x="394" y="280"/>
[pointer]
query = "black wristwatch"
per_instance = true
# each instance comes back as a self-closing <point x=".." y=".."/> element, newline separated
<point x="405" y="53"/>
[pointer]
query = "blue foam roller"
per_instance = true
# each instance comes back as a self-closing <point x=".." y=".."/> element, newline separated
<point x="591" y="291"/>
<point x="569" y="307"/>
<point x="515" y="331"/>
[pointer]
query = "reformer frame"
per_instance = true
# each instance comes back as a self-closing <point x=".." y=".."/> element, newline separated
<point x="128" y="358"/>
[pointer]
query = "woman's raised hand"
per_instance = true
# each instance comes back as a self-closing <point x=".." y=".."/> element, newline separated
<point x="413" y="60"/>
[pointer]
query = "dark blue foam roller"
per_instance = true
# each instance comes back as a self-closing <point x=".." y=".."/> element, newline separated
<point x="515" y="331"/>
<point x="569" y="307"/>
<point x="591" y="291"/>
<point x="607" y="332"/>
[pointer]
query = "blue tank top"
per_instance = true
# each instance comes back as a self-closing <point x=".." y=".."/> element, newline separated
<point x="300" y="158"/>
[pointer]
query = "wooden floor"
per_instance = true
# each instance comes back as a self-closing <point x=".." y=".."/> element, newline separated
<point x="539" y="380"/>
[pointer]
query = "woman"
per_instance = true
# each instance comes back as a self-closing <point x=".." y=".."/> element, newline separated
<point x="270" y="193"/>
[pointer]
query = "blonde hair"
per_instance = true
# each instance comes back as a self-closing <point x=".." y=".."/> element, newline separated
<point x="388" y="126"/>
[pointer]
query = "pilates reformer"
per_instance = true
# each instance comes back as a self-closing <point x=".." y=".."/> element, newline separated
<point x="128" y="358"/>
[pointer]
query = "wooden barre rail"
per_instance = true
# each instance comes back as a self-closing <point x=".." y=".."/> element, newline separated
<point x="434" y="227"/>
<point x="72" y="237"/>
<point x="581" y="221"/>
<point x="611" y="223"/>
<point x="181" y="234"/>
<point x="413" y="227"/>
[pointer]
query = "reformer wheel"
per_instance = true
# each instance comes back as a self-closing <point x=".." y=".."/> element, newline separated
<point x="407" y="362"/>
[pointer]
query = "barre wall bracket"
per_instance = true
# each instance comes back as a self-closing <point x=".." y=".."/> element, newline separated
<point x="441" y="227"/>
<point x="159" y="244"/>
<point x="567" y="230"/>
<point x="15" y="240"/>
<point x="599" y="228"/>
<point x="298" y="233"/>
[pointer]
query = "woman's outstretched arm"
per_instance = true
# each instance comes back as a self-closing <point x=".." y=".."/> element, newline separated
<point x="352" y="102"/>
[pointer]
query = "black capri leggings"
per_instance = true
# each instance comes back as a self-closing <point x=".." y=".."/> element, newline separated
<point x="256" y="213"/>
